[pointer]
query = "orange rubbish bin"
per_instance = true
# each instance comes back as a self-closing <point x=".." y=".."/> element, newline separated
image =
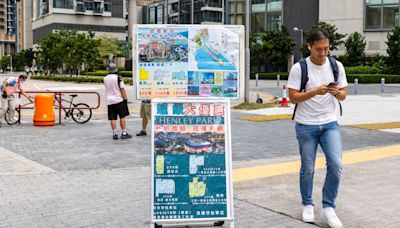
<point x="44" y="110"/>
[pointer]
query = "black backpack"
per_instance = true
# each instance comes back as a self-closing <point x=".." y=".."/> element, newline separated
<point x="304" y="78"/>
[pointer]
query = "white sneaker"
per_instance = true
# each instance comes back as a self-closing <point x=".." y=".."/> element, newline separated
<point x="308" y="213"/>
<point x="330" y="217"/>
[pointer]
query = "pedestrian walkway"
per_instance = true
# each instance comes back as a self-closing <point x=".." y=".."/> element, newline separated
<point x="73" y="175"/>
<point x="357" y="109"/>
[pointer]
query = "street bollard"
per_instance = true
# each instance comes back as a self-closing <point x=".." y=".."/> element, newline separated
<point x="382" y="85"/>
<point x="256" y="80"/>
<point x="278" y="78"/>
<point x="356" y="86"/>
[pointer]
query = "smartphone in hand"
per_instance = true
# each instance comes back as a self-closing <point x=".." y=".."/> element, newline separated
<point x="332" y="84"/>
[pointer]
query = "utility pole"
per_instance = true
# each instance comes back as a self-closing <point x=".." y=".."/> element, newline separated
<point x="11" y="66"/>
<point x="247" y="56"/>
<point x="16" y="27"/>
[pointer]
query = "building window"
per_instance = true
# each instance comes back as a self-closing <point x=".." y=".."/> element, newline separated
<point x="64" y="4"/>
<point x="89" y="5"/>
<point x="257" y="22"/>
<point x="274" y="21"/>
<point x="266" y="14"/>
<point x="274" y="5"/>
<point x="160" y="15"/>
<point x="240" y="7"/>
<point x="258" y="6"/>
<point x="152" y="15"/>
<point x="107" y="5"/>
<point x="381" y="14"/>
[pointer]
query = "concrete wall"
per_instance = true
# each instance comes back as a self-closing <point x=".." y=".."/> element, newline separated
<point x="111" y="26"/>
<point x="348" y="16"/>
<point x="27" y="33"/>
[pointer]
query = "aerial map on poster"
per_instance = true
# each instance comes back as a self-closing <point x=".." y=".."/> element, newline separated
<point x="186" y="61"/>
<point x="190" y="160"/>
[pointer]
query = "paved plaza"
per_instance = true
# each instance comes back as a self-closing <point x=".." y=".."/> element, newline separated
<point x="73" y="175"/>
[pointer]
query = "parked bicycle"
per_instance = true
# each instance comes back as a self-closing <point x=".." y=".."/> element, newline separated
<point x="80" y="112"/>
<point x="17" y="114"/>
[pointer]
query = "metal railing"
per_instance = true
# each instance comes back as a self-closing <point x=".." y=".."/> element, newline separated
<point x="58" y="97"/>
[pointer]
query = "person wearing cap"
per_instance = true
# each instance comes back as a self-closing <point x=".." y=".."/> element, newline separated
<point x="10" y="86"/>
<point x="117" y="101"/>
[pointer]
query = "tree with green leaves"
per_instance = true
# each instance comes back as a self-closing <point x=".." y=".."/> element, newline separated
<point x="68" y="48"/>
<point x="25" y="58"/>
<point x="355" y="47"/>
<point x="393" y="50"/>
<point x="50" y="52"/>
<point x="4" y="62"/>
<point x="277" y="46"/>
<point x="335" y="38"/>
<point x="108" y="45"/>
<point x="257" y="57"/>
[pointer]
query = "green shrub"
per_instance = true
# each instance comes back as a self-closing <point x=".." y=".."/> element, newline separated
<point x="104" y="73"/>
<point x="125" y="73"/>
<point x="344" y="59"/>
<point x="363" y="70"/>
<point x="98" y="73"/>
<point x="373" y="78"/>
<point x="77" y="79"/>
<point x="371" y="59"/>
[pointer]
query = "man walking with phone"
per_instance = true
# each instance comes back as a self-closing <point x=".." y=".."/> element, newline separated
<point x="316" y="123"/>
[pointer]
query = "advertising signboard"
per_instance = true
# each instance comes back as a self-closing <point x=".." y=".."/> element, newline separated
<point x="191" y="161"/>
<point x="188" y="61"/>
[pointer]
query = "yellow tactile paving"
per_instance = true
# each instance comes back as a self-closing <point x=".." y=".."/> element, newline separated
<point x="267" y="117"/>
<point x="377" y="126"/>
<point x="257" y="172"/>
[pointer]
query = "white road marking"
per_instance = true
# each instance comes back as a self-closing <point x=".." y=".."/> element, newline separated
<point x="36" y="86"/>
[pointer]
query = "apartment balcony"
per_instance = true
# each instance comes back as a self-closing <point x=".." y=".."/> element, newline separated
<point x="80" y="8"/>
<point x="98" y="11"/>
<point x="210" y="8"/>
<point x="173" y="13"/>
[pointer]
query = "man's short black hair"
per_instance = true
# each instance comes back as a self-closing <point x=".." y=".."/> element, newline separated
<point x="22" y="76"/>
<point x="317" y="34"/>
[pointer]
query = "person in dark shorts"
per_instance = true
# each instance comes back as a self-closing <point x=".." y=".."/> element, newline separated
<point x="117" y="101"/>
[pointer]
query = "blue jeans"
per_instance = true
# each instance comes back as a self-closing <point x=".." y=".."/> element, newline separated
<point x="328" y="137"/>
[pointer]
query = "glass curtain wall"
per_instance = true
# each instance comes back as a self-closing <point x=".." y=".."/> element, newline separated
<point x="265" y="14"/>
<point x="64" y="4"/>
<point x="236" y="10"/>
<point x="185" y="12"/>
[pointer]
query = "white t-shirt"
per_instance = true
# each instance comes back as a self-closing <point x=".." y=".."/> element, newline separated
<point x="113" y="91"/>
<point x="320" y="109"/>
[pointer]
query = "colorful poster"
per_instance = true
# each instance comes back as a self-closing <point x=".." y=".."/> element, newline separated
<point x="191" y="160"/>
<point x="214" y="49"/>
<point x="187" y="61"/>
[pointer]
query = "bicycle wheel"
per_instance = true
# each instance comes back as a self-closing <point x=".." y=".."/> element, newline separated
<point x="83" y="115"/>
<point x="16" y="119"/>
